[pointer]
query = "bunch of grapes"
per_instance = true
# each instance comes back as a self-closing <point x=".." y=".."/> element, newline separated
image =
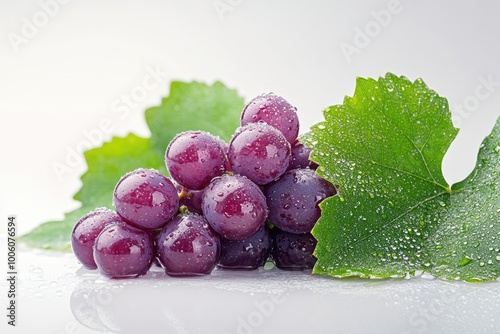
<point x="230" y="205"/>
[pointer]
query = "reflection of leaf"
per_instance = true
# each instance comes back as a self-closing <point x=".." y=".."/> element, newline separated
<point x="385" y="146"/>
<point x="190" y="106"/>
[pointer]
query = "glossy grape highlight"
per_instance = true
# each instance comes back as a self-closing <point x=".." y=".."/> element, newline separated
<point x="187" y="246"/>
<point x="86" y="231"/>
<point x="122" y="250"/>
<point x="234" y="206"/>
<point x="259" y="152"/>
<point x="194" y="158"/>
<point x="145" y="198"/>
<point x="275" y="111"/>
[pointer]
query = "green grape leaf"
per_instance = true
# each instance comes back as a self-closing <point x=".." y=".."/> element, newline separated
<point x="467" y="243"/>
<point x="106" y="165"/>
<point x="384" y="148"/>
<point x="194" y="106"/>
<point x="190" y="106"/>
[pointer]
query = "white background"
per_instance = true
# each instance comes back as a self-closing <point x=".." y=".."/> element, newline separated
<point x="64" y="77"/>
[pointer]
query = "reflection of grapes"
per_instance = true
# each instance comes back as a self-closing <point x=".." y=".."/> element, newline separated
<point x="216" y="211"/>
<point x="83" y="303"/>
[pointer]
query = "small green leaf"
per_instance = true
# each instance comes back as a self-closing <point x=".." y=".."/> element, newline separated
<point x="106" y="165"/>
<point x="54" y="235"/>
<point x="194" y="106"/>
<point x="384" y="147"/>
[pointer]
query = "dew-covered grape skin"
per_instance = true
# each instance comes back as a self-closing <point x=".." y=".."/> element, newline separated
<point x="293" y="251"/>
<point x="234" y="206"/>
<point x="249" y="253"/>
<point x="259" y="152"/>
<point x="122" y="250"/>
<point x="293" y="200"/>
<point x="300" y="157"/>
<point x="187" y="246"/>
<point x="86" y="231"/>
<point x="194" y="158"/>
<point x="275" y="111"/>
<point x="220" y="205"/>
<point x="145" y="198"/>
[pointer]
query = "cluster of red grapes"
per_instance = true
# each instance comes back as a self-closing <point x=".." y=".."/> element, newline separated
<point x="228" y="205"/>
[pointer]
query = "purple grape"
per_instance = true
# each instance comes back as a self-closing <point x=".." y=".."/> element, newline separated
<point x="193" y="158"/>
<point x="293" y="200"/>
<point x="293" y="251"/>
<point x="146" y="199"/>
<point x="249" y="253"/>
<point x="188" y="246"/>
<point x="191" y="199"/>
<point x="86" y="231"/>
<point x="122" y="250"/>
<point x="234" y="206"/>
<point x="275" y="111"/>
<point x="259" y="152"/>
<point x="300" y="157"/>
